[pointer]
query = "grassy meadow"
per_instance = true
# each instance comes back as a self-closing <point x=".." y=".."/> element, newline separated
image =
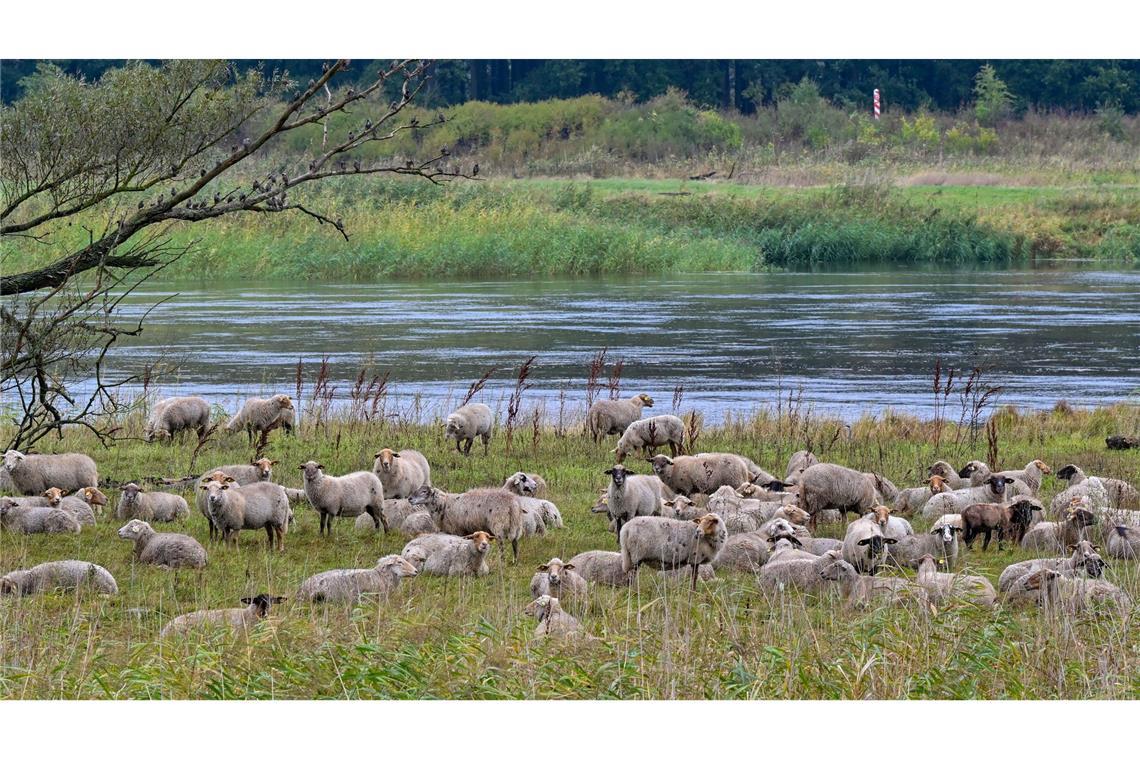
<point x="468" y="638"/>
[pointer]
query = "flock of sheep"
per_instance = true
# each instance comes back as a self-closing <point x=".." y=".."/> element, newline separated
<point x="697" y="514"/>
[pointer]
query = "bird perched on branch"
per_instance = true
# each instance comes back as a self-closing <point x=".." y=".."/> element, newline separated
<point x="475" y="170"/>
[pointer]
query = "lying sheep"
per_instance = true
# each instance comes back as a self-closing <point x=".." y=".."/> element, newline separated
<point x="602" y="567"/>
<point x="35" y="473"/>
<point x="411" y="526"/>
<point x="703" y="473"/>
<point x="745" y="552"/>
<point x="1031" y="475"/>
<point x="552" y="620"/>
<point x="647" y="434"/>
<point x="912" y="499"/>
<point x="558" y="579"/>
<point x="805" y="573"/>
<point x="1115" y="493"/>
<point x="150" y="506"/>
<point x="172" y="416"/>
<point x="890" y="525"/>
<point x="830" y="486"/>
<point x="467" y="423"/>
<point x="262" y="415"/>
<point x="448" y="555"/>
<point x="1084" y="560"/>
<point x="343" y="496"/>
<point x="26" y="501"/>
<point x="790" y="548"/>
<point x="865" y="546"/>
<point x="527" y="487"/>
<point x="1053" y="537"/>
<point x="348" y="586"/>
<point x="797" y="463"/>
<point x="78" y="508"/>
<point x="979" y="472"/>
<point x="1123" y="542"/>
<point x="607" y="417"/>
<point x="401" y="472"/>
<point x="532" y="522"/>
<point x="169" y="550"/>
<point x="773" y="494"/>
<point x="668" y="544"/>
<point x="495" y="511"/>
<point x="240" y="618"/>
<point x="949" y="475"/>
<point x="257" y="471"/>
<point x="62" y="575"/>
<point x="535" y="485"/>
<point x="18" y="519"/>
<point x="1055" y="591"/>
<point x="258" y="506"/>
<point x="631" y="496"/>
<point x="862" y="590"/>
<point x="992" y="490"/>
<point x="1010" y="521"/>
<point x="941" y="587"/>
<point x="941" y="541"/>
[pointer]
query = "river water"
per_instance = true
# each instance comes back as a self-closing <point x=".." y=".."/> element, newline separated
<point x="846" y="343"/>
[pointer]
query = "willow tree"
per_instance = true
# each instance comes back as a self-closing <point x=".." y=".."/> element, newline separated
<point x="95" y="179"/>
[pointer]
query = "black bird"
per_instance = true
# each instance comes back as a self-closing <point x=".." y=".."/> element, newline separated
<point x="351" y="136"/>
<point x="284" y="178"/>
<point x="241" y="197"/>
<point x="440" y="117"/>
<point x="312" y="166"/>
<point x="325" y="66"/>
<point x="414" y="122"/>
<point x="475" y="171"/>
<point x="368" y="125"/>
<point x="234" y="149"/>
<point x="356" y="166"/>
<point x="408" y="165"/>
<point x="256" y="185"/>
<point x="350" y="92"/>
<point x="217" y="198"/>
<point x="140" y="204"/>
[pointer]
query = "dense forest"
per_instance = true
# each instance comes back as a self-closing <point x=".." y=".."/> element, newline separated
<point x="744" y="85"/>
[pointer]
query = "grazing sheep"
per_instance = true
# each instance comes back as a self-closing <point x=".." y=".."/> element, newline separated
<point x="62" y="575"/>
<point x="1010" y="521"/>
<point x="36" y="519"/>
<point x="891" y="526"/>
<point x="649" y="433"/>
<point x="1084" y="559"/>
<point x="911" y="499"/>
<point x="1054" y="591"/>
<point x="552" y="620"/>
<point x="150" y="506"/>
<point x="174" y="415"/>
<point x="607" y="417"/>
<point x="468" y="422"/>
<point x="797" y="463"/>
<point x="240" y="618"/>
<point x="805" y="573"/>
<point x="348" y="586"/>
<point x="257" y="471"/>
<point x="603" y="567"/>
<point x="263" y="415"/>
<point x="80" y="509"/>
<point x="631" y="496"/>
<point x="343" y="496"/>
<point x="527" y="484"/>
<point x="949" y="475"/>
<point x="705" y="473"/>
<point x="1053" y="537"/>
<point x="401" y="472"/>
<point x="865" y="547"/>
<point x="941" y="541"/>
<point x="412" y="525"/>
<point x="35" y="473"/>
<point x="863" y="590"/>
<point x="991" y="491"/>
<point x="169" y="550"/>
<point x="448" y="555"/>
<point x="495" y="511"/>
<point x="1117" y="494"/>
<point x="830" y="486"/>
<point x="668" y="544"/>
<point x="254" y="507"/>
<point x="1123" y="542"/>
<point x="942" y="587"/>
<point x="558" y="579"/>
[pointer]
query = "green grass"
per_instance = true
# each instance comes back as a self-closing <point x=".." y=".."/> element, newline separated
<point x="468" y="638"/>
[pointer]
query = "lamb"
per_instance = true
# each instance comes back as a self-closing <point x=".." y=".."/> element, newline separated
<point x="348" y="586"/>
<point x="36" y="519"/>
<point x="240" y="618"/>
<point x="705" y="473"/>
<point x="552" y="620"/>
<point x="830" y="486"/>
<point x="949" y="475"/>
<point x="169" y="550"/>
<point x="631" y="496"/>
<point x="62" y="575"/>
<point x="257" y="471"/>
<point x="1074" y="595"/>
<point x="175" y="415"/>
<point x="992" y="490"/>
<point x="797" y="463"/>
<point x="1084" y="559"/>
<point x="1011" y="521"/>
<point x="263" y="415"/>
<point x="558" y="579"/>
<point x="343" y="496"/>
<point x="35" y="473"/>
<point x="943" y="586"/>
<point x="1053" y="537"/>
<point x="468" y="422"/>
<point x="253" y="507"/>
<point x="448" y="555"/>
<point x="1123" y="542"/>
<point x="863" y="590"/>
<point x="649" y="433"/>
<point x="804" y="574"/>
<point x="78" y="508"/>
<point x="495" y="511"/>
<point x="891" y="526"/>
<point x="668" y="544"/>
<point x="151" y="506"/>
<point x="865" y="546"/>
<point x="602" y="567"/>
<point x="911" y="499"/>
<point x="401" y="472"/>
<point x="940" y="542"/>
<point x="607" y="417"/>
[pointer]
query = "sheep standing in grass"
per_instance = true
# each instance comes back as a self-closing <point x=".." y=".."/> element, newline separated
<point x="797" y="463"/>
<point x="979" y="472"/>
<point x="558" y="579"/>
<point x="1010" y="521"/>
<point x="1053" y="537"/>
<point x="240" y="618"/>
<point x="343" y="496"/>
<point x="864" y="590"/>
<point x="552" y="620"/>
<point x="467" y="423"/>
<point x="254" y="507"/>
<point x="348" y="586"/>
<point x="865" y="546"/>
<point x="495" y="511"/>
<point x="941" y="541"/>
<point x="1118" y="494"/>
<point x="401" y="472"/>
<point x="260" y="416"/>
<point x="150" y="506"/>
<point x="603" y="567"/>
<point x="62" y="575"/>
<point x="35" y="473"/>
<point x="945" y="586"/>
<point x="991" y="491"/>
<point x="1123" y="542"/>
<point x="78" y="508"/>
<point x="826" y="486"/>
<point x="669" y="544"/>
<point x="607" y="417"/>
<point x="18" y="519"/>
<point x="172" y="416"/>
<point x="1084" y="560"/>
<point x="448" y="555"/>
<point x="169" y="550"/>
<point x="647" y="434"/>
<point x="631" y="496"/>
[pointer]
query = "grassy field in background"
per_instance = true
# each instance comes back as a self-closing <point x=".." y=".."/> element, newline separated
<point x="468" y="638"/>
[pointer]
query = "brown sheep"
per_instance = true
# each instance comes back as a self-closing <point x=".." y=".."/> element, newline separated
<point x="1010" y="521"/>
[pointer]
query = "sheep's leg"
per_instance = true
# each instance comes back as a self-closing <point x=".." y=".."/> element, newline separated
<point x="515" y="549"/>
<point x="694" y="586"/>
<point x="486" y="445"/>
<point x="457" y="449"/>
<point x="281" y="539"/>
<point x="269" y="536"/>
<point x="673" y="449"/>
<point x="467" y="446"/>
<point x="986" y="541"/>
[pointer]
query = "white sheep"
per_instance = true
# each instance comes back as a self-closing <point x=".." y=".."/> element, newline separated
<point x="448" y="555"/>
<point x="240" y="619"/>
<point x="19" y="519"/>
<point x="258" y="506"/>
<point x="606" y="417"/>
<point x="863" y="590"/>
<point x="826" y="486"/>
<point x="669" y="544"/>
<point x="552" y="619"/>
<point x="992" y="490"/>
<point x="941" y="587"/>
<point x="262" y="415"/>
<point x="649" y="433"/>
<point x="630" y="496"/>
<point x="705" y="473"/>
<point x="910" y="500"/>
<point x="797" y="463"/>
<point x="257" y="471"/>
<point x="150" y="506"/>
<point x="941" y="541"/>
<point x="892" y="526"/>
<point x="1084" y="559"/>
<point x="558" y="579"/>
<point x="170" y="550"/>
<point x="1054" y="591"/>
<point x="1095" y="493"/>
<point x="603" y="567"/>
<point x="1055" y="537"/>
<point x="35" y="473"/>
<point x="348" y="586"/>
<point x="804" y="573"/>
<point x="343" y="496"/>
<point x="949" y="475"/>
<point x="401" y="472"/>
<point x="79" y="508"/>
<point x="865" y="546"/>
<point x="527" y="484"/>
<point x="174" y="415"/>
<point x="467" y="423"/>
<point x="62" y="575"/>
<point x="1123" y="542"/>
<point x="495" y="511"/>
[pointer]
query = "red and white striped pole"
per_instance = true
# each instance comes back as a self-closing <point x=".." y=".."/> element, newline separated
<point x="877" y="109"/>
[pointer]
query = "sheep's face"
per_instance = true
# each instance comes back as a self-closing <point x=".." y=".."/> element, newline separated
<point x="937" y="484"/>
<point x="452" y="427"/>
<point x="1081" y="517"/>
<point x="796" y="516"/>
<point x="553" y="570"/>
<point x="875" y="545"/>
<point x="54" y="496"/>
<point x="1021" y="512"/>
<point x="969" y="469"/>
<point x="997" y="483"/>
<point x="397" y="566"/>
<point x="262" y="602"/>
<point x="618" y="474"/>
<point x="12" y="459"/>
<point x="1067" y="472"/>
<point x="940" y="469"/>
<point x="880" y="514"/>
<point x="661" y="465"/>
<point x="709" y="524"/>
<point x="1085" y="555"/>
<point x="422" y="496"/>
<point x="602" y="504"/>
<point x="133" y="529"/>
<point x="131" y="493"/>
<point x="312" y="470"/>
<point x="216" y="493"/>
<point x="1042" y="466"/>
<point x="522" y="484"/>
<point x="264" y="468"/>
<point x="541" y="607"/>
<point x="837" y="570"/>
<point x="416" y="556"/>
<point x="96" y="498"/>
<point x="646" y="399"/>
<point x="283" y="401"/>
<point x="8" y="586"/>
<point x="946" y="531"/>
<point x="482" y="541"/>
<point x="386" y="459"/>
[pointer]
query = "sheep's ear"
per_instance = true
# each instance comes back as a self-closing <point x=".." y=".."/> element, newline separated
<point x="544" y="568"/>
<point x="204" y="488"/>
<point x="278" y="599"/>
<point x="376" y="455"/>
<point x="321" y="467"/>
<point x="1096" y="547"/>
<point x="225" y="486"/>
<point x="609" y="472"/>
<point x="1009" y="480"/>
<point x="300" y="467"/>
<point x="271" y="463"/>
<point x="1034" y="508"/>
<point x="229" y="480"/>
<point x="246" y="600"/>
<point x="777" y="485"/>
<point x="568" y="566"/>
<point x="864" y="542"/>
<point x="890" y="540"/>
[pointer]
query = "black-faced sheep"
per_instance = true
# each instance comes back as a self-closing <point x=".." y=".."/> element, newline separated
<point x="239" y="618"/>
